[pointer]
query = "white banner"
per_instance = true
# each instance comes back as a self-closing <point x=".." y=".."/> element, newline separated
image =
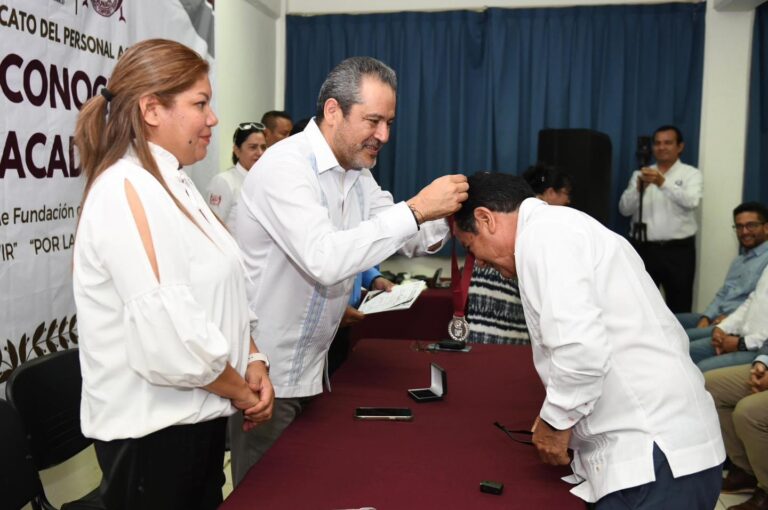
<point x="54" y="55"/>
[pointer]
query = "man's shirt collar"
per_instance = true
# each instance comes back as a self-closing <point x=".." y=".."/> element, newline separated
<point x="324" y="157"/>
<point x="756" y="251"/>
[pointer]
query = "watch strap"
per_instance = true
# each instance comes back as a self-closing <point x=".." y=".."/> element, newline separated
<point x="258" y="356"/>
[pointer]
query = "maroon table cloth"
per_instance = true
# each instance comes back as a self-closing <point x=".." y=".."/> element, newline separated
<point x="427" y="319"/>
<point x="328" y="460"/>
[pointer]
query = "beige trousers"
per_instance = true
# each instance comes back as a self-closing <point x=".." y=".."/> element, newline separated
<point x="743" y="419"/>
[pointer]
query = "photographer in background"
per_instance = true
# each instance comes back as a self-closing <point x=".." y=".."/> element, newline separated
<point x="670" y="192"/>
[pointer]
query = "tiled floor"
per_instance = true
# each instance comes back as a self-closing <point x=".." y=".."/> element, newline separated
<point x="80" y="474"/>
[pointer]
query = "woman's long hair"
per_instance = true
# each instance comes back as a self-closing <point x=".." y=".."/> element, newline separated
<point x="106" y="129"/>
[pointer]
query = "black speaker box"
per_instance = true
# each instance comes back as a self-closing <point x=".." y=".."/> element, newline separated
<point x="586" y="156"/>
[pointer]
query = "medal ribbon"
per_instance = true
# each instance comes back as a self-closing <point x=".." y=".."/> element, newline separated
<point x="460" y="281"/>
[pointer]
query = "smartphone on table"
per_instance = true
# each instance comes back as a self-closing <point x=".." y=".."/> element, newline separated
<point x="384" y="413"/>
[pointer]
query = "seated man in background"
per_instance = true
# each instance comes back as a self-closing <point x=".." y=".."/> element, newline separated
<point x="741" y="401"/>
<point x="735" y="340"/>
<point x="621" y="391"/>
<point x="749" y="223"/>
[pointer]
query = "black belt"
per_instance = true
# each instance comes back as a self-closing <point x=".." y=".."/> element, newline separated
<point x="688" y="241"/>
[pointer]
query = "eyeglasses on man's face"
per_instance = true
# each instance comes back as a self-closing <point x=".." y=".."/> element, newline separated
<point x="751" y="226"/>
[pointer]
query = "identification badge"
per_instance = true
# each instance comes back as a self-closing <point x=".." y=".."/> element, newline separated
<point x="458" y="329"/>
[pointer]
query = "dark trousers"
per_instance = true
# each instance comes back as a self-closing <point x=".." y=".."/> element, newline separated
<point x="340" y="347"/>
<point x="672" y="265"/>
<point x="249" y="447"/>
<point x="179" y="467"/>
<point x="698" y="491"/>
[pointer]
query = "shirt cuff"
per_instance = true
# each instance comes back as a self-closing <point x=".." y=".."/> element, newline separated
<point x="753" y="342"/>
<point x="369" y="276"/>
<point x="437" y="231"/>
<point x="763" y="358"/>
<point x="398" y="220"/>
<point x="560" y="419"/>
<point x="727" y="327"/>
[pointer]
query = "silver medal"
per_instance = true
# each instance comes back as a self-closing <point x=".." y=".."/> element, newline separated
<point x="458" y="329"/>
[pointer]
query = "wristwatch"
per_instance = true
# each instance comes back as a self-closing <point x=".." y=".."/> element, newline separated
<point x="742" y="344"/>
<point x="258" y="356"/>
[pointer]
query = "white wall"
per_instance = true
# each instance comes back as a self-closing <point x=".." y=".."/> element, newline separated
<point x="727" y="57"/>
<point x="245" y="34"/>
<point x="723" y="122"/>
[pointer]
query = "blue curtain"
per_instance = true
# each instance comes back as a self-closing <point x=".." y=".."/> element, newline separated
<point x="475" y="88"/>
<point x="755" y="182"/>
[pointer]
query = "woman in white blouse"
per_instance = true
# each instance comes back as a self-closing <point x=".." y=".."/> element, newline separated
<point x="248" y="144"/>
<point x="165" y="347"/>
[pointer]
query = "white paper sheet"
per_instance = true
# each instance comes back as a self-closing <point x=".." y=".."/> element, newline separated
<point x="400" y="297"/>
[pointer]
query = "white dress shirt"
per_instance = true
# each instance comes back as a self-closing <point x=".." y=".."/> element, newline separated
<point x="307" y="227"/>
<point x="669" y="211"/>
<point x="750" y="319"/>
<point x="613" y="358"/>
<point x="224" y="192"/>
<point x="147" y="347"/>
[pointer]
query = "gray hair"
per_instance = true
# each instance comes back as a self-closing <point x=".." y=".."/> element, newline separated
<point x="343" y="82"/>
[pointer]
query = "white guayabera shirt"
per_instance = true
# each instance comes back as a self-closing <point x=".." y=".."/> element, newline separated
<point x="307" y="227"/>
<point x="613" y="358"/>
<point x="750" y="320"/>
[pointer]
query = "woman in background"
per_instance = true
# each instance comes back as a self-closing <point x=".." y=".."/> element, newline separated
<point x="224" y="188"/>
<point x="551" y="184"/>
<point x="165" y="348"/>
